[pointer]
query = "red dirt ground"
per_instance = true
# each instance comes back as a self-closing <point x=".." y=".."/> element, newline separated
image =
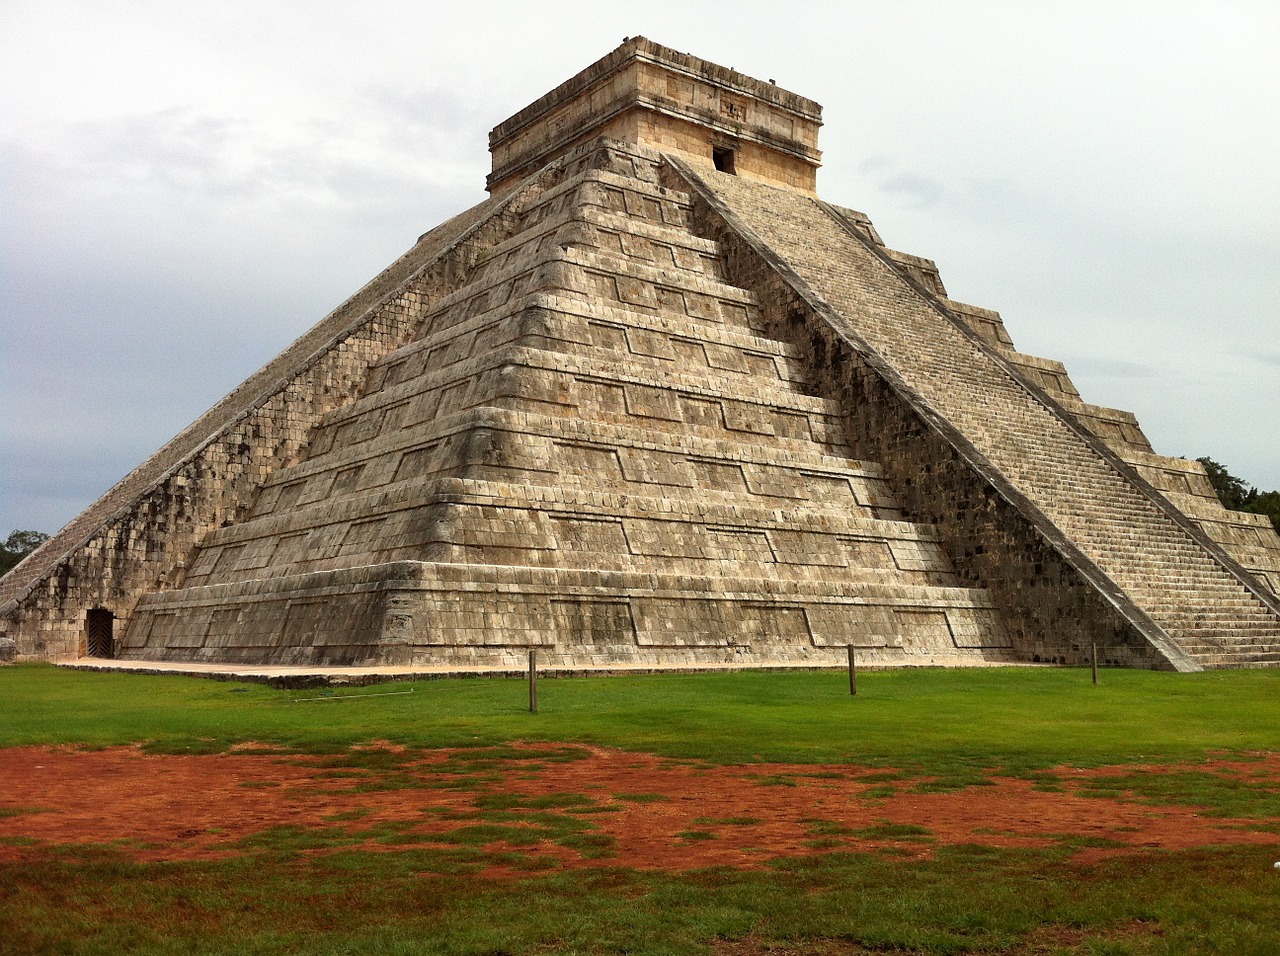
<point x="165" y="807"/>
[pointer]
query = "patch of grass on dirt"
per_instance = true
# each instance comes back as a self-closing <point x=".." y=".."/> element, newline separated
<point x="289" y="838"/>
<point x="359" y="813"/>
<point x="242" y="750"/>
<point x="697" y="835"/>
<point x="478" y="760"/>
<point x="1269" y="826"/>
<point x="775" y="780"/>
<point x="366" y="758"/>
<point x="1043" y="782"/>
<point x="590" y="846"/>
<point x="882" y="792"/>
<point x="952" y="783"/>
<point x="21" y="811"/>
<point x="479" y="781"/>
<point x="546" y="801"/>
<point x="513" y="820"/>
<point x="388" y="782"/>
<point x="186" y="746"/>
<point x="448" y="813"/>
<point x="641" y="797"/>
<point x="887" y="830"/>
<point x="597" y="808"/>
<point x="1216" y="794"/>
<point x="727" y="821"/>
<point x="482" y="834"/>
<point x="1076" y="841"/>
<point x="826" y="827"/>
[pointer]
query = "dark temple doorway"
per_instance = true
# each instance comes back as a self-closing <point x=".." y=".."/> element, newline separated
<point x="100" y="623"/>
<point x="724" y="159"/>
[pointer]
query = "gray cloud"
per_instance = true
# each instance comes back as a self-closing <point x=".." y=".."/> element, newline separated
<point x="919" y="191"/>
<point x="1089" y="366"/>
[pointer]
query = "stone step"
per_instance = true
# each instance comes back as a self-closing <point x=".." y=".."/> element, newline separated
<point x="1260" y="658"/>
<point x="1195" y="641"/>
<point x="627" y="196"/>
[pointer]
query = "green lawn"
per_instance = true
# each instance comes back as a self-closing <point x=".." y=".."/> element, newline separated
<point x="290" y="892"/>
<point x="1006" y="717"/>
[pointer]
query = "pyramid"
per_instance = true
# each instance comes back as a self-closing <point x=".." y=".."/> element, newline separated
<point x="656" y="404"/>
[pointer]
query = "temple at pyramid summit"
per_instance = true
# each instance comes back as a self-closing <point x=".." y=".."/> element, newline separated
<point x="654" y="403"/>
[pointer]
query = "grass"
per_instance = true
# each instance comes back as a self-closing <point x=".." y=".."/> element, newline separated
<point x="291" y="888"/>
<point x="953" y="724"/>
<point x="884" y="830"/>
<point x="19" y="811"/>
<point x="1215" y="794"/>
<point x="427" y="900"/>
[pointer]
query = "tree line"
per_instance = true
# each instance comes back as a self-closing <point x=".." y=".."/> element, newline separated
<point x="1238" y="495"/>
<point x="17" y="546"/>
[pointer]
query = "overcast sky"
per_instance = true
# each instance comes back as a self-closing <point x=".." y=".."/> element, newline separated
<point x="187" y="187"/>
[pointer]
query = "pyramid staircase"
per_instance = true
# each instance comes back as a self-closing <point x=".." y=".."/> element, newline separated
<point x="1249" y="539"/>
<point x="1162" y="568"/>
<point x="591" y="447"/>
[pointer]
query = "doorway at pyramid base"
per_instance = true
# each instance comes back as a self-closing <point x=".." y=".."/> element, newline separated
<point x="424" y="614"/>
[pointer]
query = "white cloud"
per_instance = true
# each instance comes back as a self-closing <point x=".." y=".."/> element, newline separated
<point x="188" y="186"/>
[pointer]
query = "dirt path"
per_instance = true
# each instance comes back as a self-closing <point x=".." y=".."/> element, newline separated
<point x="653" y="813"/>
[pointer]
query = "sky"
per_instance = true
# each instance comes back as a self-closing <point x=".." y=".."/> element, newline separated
<point x="187" y="187"/>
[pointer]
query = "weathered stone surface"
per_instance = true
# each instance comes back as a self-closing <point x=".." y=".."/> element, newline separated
<point x="648" y="95"/>
<point x="637" y="411"/>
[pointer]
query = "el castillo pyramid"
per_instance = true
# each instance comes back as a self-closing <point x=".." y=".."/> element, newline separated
<point x="655" y="403"/>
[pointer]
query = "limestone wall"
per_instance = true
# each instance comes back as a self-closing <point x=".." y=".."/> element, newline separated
<point x="649" y="95"/>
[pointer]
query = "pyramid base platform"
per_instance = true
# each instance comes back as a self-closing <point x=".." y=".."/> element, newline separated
<point x="487" y="617"/>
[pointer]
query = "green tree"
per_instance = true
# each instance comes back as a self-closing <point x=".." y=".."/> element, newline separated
<point x="1237" y="495"/>
<point x="1267" y="503"/>
<point x="1232" y="491"/>
<point x="17" y="546"/>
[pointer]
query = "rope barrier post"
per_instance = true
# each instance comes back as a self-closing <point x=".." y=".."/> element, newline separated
<point x="533" y="681"/>
<point x="1094" y="654"/>
<point x="853" y="673"/>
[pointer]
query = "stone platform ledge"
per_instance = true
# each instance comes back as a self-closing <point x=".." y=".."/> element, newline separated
<point x="290" y="678"/>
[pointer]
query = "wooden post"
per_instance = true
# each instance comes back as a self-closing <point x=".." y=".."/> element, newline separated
<point x="853" y="674"/>
<point x="1094" y="653"/>
<point x="533" y="681"/>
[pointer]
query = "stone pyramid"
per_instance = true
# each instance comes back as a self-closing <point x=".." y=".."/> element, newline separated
<point x="656" y="404"/>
